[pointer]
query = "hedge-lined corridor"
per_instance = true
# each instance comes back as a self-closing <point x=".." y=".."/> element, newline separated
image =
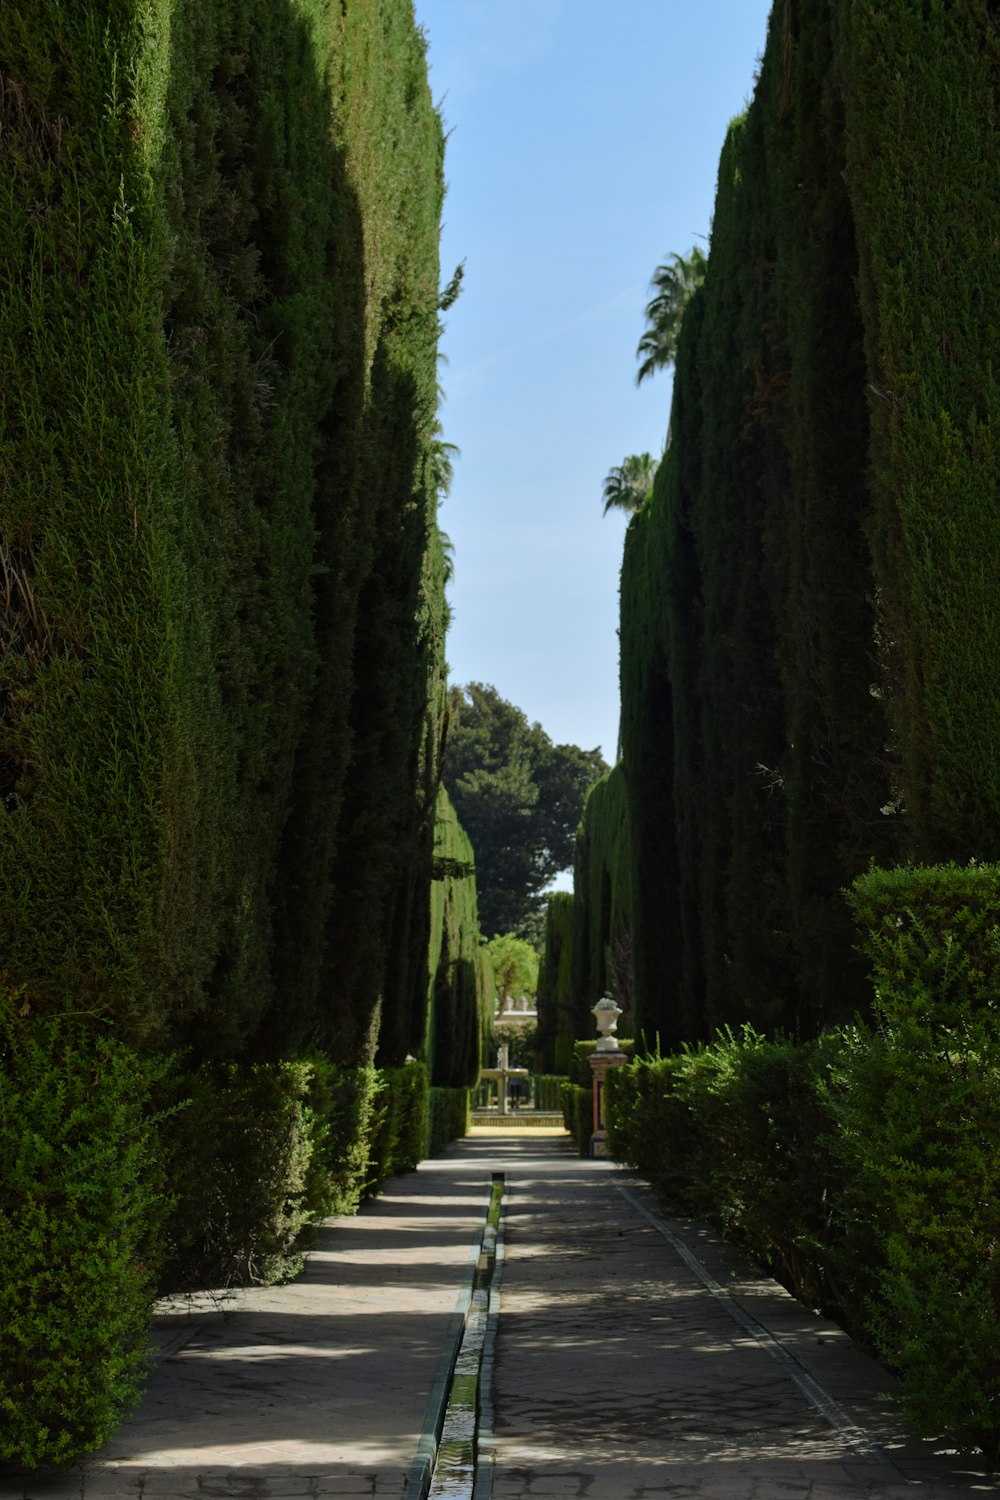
<point x="224" y="925"/>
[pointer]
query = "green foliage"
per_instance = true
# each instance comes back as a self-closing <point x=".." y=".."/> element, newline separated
<point x="518" y="797"/>
<point x="401" y="1134"/>
<point x="223" y="588"/>
<point x="920" y="1127"/>
<point x="85" y="662"/>
<point x="515" y="968"/>
<point x="674" y="283"/>
<point x="238" y="1154"/>
<point x="558" y="1023"/>
<point x="649" y="734"/>
<point x="460" y="1007"/>
<point x="753" y="697"/>
<point x="837" y="777"/>
<point x="603" y="909"/>
<point x="81" y="1200"/>
<point x="548" y="1090"/>
<point x="736" y="1131"/>
<point x="344" y="1105"/>
<point x="449" y="1117"/>
<point x="222" y="612"/>
<point x="933" y="937"/>
<point x="630" y="484"/>
<point x="357" y="850"/>
<point x="922" y="157"/>
<point x="577" y="1104"/>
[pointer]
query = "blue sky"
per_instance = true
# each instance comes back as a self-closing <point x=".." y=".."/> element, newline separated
<point x="583" y="150"/>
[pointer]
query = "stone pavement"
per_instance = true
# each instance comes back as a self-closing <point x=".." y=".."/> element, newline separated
<point x="318" y="1388"/>
<point x="617" y="1373"/>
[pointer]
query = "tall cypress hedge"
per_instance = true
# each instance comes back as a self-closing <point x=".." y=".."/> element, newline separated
<point x="647" y="734"/>
<point x="920" y="84"/>
<point x="602" y="905"/>
<point x="460" y="1011"/>
<point x="559" y="1021"/>
<point x="222" y="618"/>
<point x="89" y="499"/>
<point x="836" y="774"/>
<point x="808" y="620"/>
<point x="221" y="581"/>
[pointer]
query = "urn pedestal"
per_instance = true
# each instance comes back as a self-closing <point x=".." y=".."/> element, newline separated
<point x="607" y="1055"/>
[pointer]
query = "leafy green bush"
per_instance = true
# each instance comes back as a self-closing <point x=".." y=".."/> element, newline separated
<point x="449" y="1117"/>
<point x="343" y="1101"/>
<point x="737" y="1132"/>
<point x="547" y="1087"/>
<point x="919" y="1116"/>
<point x="238" y="1154"/>
<point x="577" y="1105"/>
<point x="80" y="1212"/>
<point x="257" y="1152"/>
<point x="399" y="1137"/>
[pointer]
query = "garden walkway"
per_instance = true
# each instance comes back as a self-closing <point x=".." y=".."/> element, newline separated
<point x="622" y="1357"/>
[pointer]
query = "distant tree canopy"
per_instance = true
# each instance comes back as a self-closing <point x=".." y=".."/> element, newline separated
<point x="515" y="968"/>
<point x="519" y="798"/>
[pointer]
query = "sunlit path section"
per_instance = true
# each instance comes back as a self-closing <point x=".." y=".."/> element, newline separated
<point x="623" y="1362"/>
<point x="619" y="1374"/>
<point x="321" y="1387"/>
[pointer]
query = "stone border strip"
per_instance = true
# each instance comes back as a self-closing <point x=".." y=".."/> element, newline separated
<point x="856" y="1439"/>
<point x="445" y="1462"/>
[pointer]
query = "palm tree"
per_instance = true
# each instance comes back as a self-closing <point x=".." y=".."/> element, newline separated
<point x="448" y="554"/>
<point x="674" y="285"/>
<point x="441" y="456"/>
<point x="630" y="485"/>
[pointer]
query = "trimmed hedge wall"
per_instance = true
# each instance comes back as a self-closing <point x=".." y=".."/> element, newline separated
<point x="460" y="1005"/>
<point x="603" y="904"/>
<point x="449" y="1117"/>
<point x="577" y="1104"/>
<point x="223" y="607"/>
<point x="922" y="148"/>
<point x="809" y="628"/>
<point x="558" y="1021"/>
<point x="238" y="1155"/>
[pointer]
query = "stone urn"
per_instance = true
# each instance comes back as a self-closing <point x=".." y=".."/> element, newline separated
<point x="606" y="1014"/>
